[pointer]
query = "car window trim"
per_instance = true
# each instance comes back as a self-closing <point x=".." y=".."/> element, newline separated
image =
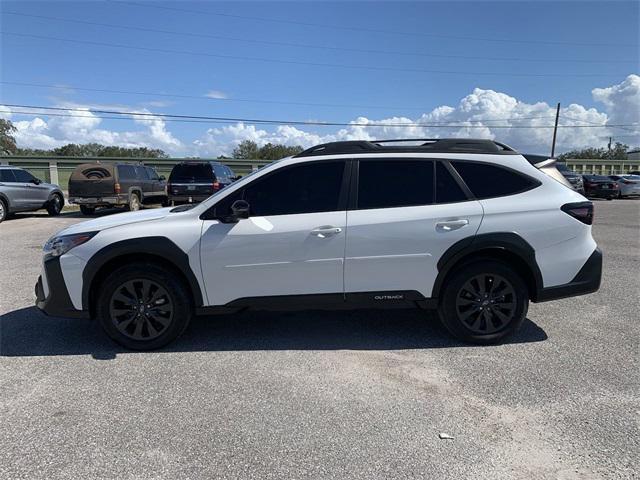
<point x="456" y="176"/>
<point x="11" y="171"/>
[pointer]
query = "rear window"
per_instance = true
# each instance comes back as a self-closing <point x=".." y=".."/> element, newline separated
<point x="489" y="181"/>
<point x="126" y="172"/>
<point x="96" y="173"/>
<point x="191" y="173"/>
<point x="221" y="172"/>
<point x="392" y="183"/>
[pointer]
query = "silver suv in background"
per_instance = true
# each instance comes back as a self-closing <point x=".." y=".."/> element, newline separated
<point x="20" y="191"/>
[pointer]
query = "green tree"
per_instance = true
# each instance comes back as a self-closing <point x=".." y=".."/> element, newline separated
<point x="247" y="149"/>
<point x="7" y="140"/>
<point x="617" y="152"/>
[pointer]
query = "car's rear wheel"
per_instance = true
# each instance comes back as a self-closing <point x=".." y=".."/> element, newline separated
<point x="134" y="202"/>
<point x="87" y="210"/>
<point x="3" y="210"/>
<point x="484" y="302"/>
<point x="143" y="306"/>
<point x="54" y="207"/>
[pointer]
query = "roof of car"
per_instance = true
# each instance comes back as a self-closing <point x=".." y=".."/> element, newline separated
<point x="420" y="145"/>
<point x="11" y="166"/>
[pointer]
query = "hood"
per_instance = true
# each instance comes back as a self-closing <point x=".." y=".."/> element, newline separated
<point x="109" y="221"/>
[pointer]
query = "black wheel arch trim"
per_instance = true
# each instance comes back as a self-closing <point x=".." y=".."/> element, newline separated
<point x="4" y="198"/>
<point x="505" y="241"/>
<point x="155" y="246"/>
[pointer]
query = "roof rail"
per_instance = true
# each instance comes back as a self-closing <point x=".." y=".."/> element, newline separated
<point x="427" y="145"/>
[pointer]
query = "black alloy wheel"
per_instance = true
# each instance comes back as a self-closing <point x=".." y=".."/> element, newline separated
<point x="141" y="309"/>
<point x="486" y="303"/>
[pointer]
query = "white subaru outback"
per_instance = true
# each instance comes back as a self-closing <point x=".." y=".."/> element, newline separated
<point x="470" y="227"/>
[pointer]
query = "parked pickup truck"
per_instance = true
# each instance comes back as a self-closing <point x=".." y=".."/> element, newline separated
<point x="94" y="185"/>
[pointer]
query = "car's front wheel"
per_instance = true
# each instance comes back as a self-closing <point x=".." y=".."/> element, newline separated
<point x="143" y="306"/>
<point x="483" y="302"/>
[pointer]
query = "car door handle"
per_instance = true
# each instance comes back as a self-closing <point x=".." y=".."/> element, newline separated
<point x="450" y="225"/>
<point x="325" y="231"/>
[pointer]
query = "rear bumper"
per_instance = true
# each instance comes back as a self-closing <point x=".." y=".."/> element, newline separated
<point x="188" y="198"/>
<point x="587" y="280"/>
<point x="57" y="303"/>
<point x="100" y="201"/>
<point x="602" y="193"/>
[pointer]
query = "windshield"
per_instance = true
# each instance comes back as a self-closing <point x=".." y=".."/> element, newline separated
<point x="191" y="173"/>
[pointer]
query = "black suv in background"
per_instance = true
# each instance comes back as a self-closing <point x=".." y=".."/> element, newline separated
<point x="94" y="185"/>
<point x="194" y="181"/>
<point x="572" y="177"/>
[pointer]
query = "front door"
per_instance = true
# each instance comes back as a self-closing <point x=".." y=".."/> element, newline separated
<point x="293" y="242"/>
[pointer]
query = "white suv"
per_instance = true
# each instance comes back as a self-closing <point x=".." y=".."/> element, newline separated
<point x="469" y="227"/>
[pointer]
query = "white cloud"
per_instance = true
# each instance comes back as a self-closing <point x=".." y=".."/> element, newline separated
<point x="216" y="94"/>
<point x="483" y="113"/>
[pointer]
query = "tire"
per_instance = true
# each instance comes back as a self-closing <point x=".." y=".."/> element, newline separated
<point x="141" y="326"/>
<point x="86" y="210"/>
<point x="55" y="205"/>
<point x="609" y="198"/>
<point x="481" y="321"/>
<point x="4" y="211"/>
<point x="134" y="202"/>
<point x="166" y="202"/>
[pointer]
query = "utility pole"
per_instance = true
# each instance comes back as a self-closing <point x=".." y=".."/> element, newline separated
<point x="555" y="131"/>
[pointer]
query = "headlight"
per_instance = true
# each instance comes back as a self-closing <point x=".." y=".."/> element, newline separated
<point x="59" y="245"/>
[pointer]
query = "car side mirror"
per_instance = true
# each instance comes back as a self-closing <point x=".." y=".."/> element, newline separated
<point x="240" y="209"/>
<point x="36" y="181"/>
<point x="162" y="177"/>
<point x="237" y="177"/>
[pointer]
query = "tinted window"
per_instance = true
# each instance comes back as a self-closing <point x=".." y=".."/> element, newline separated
<point x="221" y="172"/>
<point x="23" y="176"/>
<point x="126" y="172"/>
<point x="191" y="173"/>
<point x="312" y="187"/>
<point x="447" y="189"/>
<point x="395" y="183"/>
<point x="6" y="175"/>
<point x="151" y="173"/>
<point x="486" y="181"/>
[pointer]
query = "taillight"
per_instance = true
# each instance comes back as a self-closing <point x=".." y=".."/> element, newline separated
<point x="216" y="185"/>
<point x="628" y="182"/>
<point x="116" y="188"/>
<point x="582" y="211"/>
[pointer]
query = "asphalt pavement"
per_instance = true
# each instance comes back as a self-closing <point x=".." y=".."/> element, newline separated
<point x="339" y="395"/>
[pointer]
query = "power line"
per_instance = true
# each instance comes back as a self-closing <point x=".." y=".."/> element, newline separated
<point x="152" y="116"/>
<point x="203" y="97"/>
<point x="368" y="30"/>
<point x="313" y="64"/>
<point x="323" y="47"/>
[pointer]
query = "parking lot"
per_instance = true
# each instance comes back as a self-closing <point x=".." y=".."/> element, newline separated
<point x="325" y="395"/>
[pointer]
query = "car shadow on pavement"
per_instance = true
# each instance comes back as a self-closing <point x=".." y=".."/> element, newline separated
<point x="28" y="332"/>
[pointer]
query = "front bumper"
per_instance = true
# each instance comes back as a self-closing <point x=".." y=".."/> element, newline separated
<point x="57" y="303"/>
<point x="587" y="280"/>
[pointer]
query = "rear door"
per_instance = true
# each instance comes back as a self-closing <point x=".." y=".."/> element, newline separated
<point x="15" y="191"/>
<point x="157" y="186"/>
<point x="406" y="213"/>
<point x="127" y="178"/>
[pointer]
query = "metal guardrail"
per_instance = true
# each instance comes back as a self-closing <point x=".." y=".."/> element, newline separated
<point x="57" y="170"/>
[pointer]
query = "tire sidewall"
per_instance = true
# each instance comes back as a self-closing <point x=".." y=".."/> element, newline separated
<point x="175" y="288"/>
<point x="5" y="211"/>
<point x="134" y="201"/>
<point x="51" y="209"/>
<point x="447" y="309"/>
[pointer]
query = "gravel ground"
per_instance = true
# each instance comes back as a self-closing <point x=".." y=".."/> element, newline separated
<point x="325" y="395"/>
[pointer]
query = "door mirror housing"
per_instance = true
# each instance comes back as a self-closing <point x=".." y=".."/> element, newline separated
<point x="162" y="177"/>
<point x="240" y="209"/>
<point x="36" y="181"/>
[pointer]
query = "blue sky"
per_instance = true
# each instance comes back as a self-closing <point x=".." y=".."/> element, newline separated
<point x="528" y="51"/>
